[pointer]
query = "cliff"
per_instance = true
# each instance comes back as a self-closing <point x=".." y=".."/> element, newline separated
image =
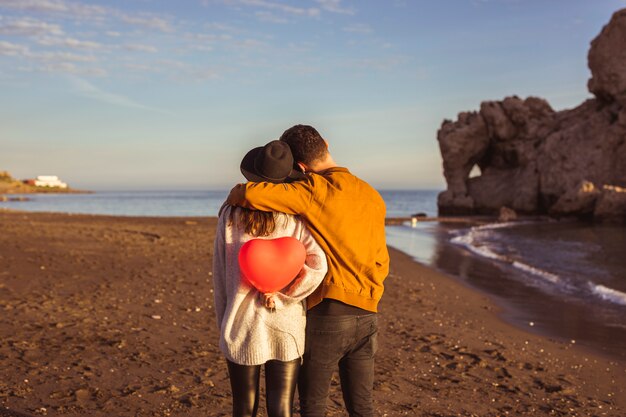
<point x="537" y="160"/>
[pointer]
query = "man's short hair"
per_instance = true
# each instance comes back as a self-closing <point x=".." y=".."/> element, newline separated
<point x="307" y="145"/>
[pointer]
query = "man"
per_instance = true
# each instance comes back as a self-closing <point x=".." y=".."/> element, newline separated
<point x="347" y="218"/>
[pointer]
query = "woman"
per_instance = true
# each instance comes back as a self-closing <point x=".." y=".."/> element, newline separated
<point x="262" y="329"/>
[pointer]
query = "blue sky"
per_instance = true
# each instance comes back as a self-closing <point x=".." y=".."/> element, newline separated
<point x="145" y="94"/>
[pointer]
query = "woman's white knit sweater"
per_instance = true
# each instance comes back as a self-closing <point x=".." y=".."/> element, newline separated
<point x="251" y="334"/>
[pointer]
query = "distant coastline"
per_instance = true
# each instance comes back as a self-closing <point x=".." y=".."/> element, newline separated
<point x="31" y="189"/>
<point x="10" y="185"/>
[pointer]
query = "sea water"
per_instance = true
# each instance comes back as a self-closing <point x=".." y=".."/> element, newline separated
<point x="574" y="259"/>
<point x="561" y="278"/>
<point x="126" y="203"/>
<point x="400" y="203"/>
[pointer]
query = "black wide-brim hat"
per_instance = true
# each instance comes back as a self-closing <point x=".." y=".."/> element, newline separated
<point x="272" y="163"/>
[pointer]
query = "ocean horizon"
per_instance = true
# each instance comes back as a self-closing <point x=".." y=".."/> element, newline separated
<point x="184" y="203"/>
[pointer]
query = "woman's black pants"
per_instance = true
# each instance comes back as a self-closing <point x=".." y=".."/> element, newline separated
<point x="280" y="387"/>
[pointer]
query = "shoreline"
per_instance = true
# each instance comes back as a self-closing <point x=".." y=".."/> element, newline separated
<point x="31" y="189"/>
<point x="529" y="300"/>
<point x="112" y="315"/>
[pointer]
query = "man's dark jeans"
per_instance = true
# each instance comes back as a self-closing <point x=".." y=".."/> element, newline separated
<point x="349" y="341"/>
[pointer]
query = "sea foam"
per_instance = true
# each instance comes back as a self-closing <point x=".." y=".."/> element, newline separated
<point x="474" y="240"/>
<point x="608" y="294"/>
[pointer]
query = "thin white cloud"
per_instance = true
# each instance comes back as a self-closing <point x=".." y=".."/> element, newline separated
<point x="222" y="27"/>
<point x="69" y="43"/>
<point x="250" y="44"/>
<point x="198" y="47"/>
<point x="64" y="68"/>
<point x="335" y="6"/>
<point x="81" y="12"/>
<point x="41" y="6"/>
<point x="281" y="7"/>
<point x="12" y="49"/>
<point x="28" y="27"/>
<point x="478" y="3"/>
<point x="87" y="89"/>
<point x="78" y="36"/>
<point x="332" y="6"/>
<point x="208" y="41"/>
<point x="60" y="62"/>
<point x="62" y="57"/>
<point x="75" y="9"/>
<point x="204" y="42"/>
<point x="270" y="17"/>
<point x="358" y="28"/>
<point x="150" y="22"/>
<point x="137" y="47"/>
<point x="57" y="60"/>
<point x="71" y="68"/>
<point x="208" y="37"/>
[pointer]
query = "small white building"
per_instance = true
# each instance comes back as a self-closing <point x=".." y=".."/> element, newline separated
<point x="49" y="181"/>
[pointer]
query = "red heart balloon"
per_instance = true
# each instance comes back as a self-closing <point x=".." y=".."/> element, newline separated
<point x="270" y="264"/>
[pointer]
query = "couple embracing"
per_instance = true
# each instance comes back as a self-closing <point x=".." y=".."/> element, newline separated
<point x="326" y="317"/>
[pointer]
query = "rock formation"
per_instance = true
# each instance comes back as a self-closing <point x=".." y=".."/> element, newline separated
<point x="536" y="160"/>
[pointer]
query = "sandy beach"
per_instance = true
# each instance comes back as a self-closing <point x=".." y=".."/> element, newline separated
<point x="112" y="316"/>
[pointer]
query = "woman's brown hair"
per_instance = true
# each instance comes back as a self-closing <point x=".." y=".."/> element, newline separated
<point x="255" y="223"/>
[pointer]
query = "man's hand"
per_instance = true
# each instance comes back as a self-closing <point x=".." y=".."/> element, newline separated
<point x="237" y="195"/>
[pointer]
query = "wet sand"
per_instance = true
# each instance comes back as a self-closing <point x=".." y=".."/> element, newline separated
<point x="112" y="316"/>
